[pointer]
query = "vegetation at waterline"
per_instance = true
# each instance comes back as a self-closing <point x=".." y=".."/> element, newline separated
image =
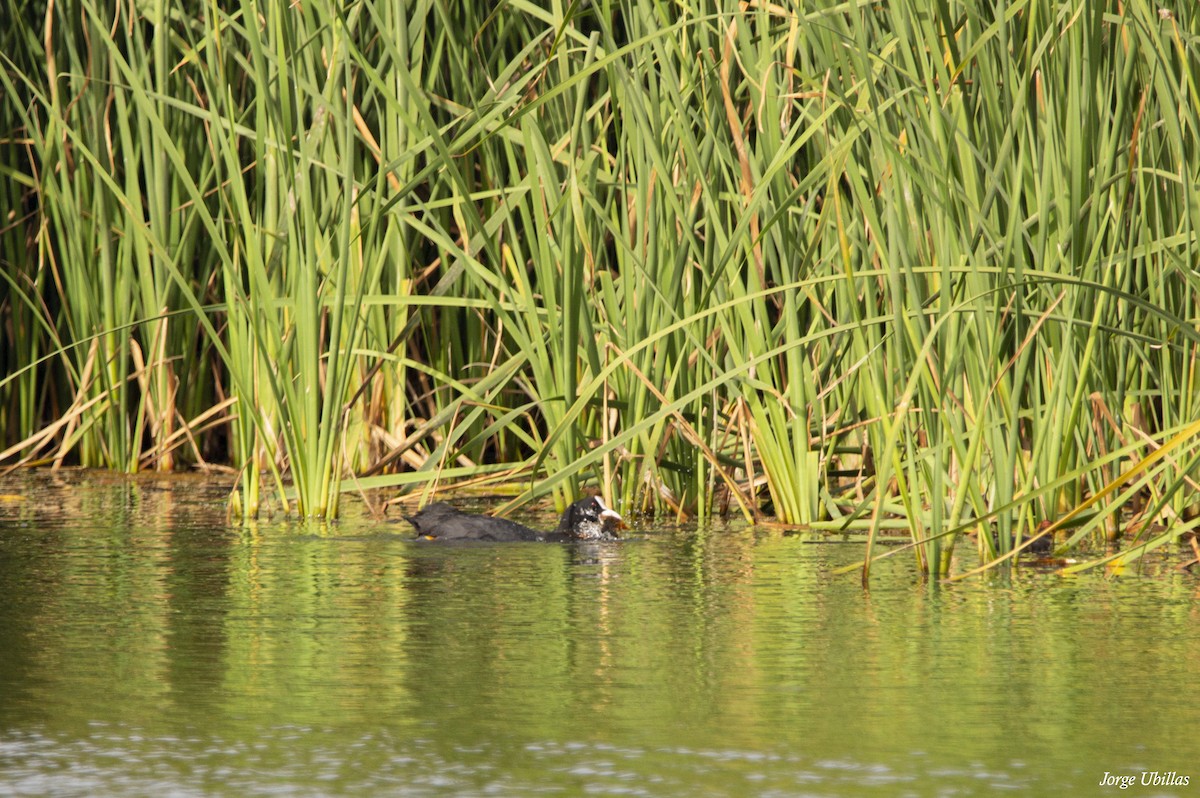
<point x="851" y="263"/>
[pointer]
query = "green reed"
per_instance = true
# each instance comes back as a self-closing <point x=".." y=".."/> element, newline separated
<point x="836" y="264"/>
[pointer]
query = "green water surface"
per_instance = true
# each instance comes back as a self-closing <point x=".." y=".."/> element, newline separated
<point x="147" y="648"/>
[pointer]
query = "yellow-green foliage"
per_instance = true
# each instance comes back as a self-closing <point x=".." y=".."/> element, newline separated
<point x="835" y="261"/>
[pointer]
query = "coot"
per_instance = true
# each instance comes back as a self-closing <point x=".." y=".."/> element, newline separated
<point x="586" y="519"/>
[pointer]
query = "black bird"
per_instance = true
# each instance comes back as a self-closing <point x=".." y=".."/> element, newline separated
<point x="586" y="519"/>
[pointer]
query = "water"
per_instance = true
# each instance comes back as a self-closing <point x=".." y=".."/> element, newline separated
<point x="148" y="649"/>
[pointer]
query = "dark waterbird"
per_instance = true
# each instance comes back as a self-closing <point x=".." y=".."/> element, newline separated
<point x="586" y="519"/>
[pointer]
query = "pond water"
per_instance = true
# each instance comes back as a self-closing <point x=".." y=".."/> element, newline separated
<point x="147" y="648"/>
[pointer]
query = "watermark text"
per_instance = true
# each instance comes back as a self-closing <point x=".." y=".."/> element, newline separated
<point x="1146" y="778"/>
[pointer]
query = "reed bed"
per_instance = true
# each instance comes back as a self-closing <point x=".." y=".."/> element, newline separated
<point x="833" y="264"/>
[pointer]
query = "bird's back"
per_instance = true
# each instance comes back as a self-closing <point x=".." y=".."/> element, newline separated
<point x="440" y="521"/>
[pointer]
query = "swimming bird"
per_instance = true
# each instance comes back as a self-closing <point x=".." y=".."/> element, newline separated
<point x="586" y="519"/>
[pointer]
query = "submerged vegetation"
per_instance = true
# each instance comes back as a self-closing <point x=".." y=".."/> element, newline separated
<point x="843" y="264"/>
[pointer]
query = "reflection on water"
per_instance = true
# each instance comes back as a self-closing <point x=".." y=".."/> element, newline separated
<point x="148" y="649"/>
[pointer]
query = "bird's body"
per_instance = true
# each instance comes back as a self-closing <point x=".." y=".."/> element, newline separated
<point x="587" y="519"/>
